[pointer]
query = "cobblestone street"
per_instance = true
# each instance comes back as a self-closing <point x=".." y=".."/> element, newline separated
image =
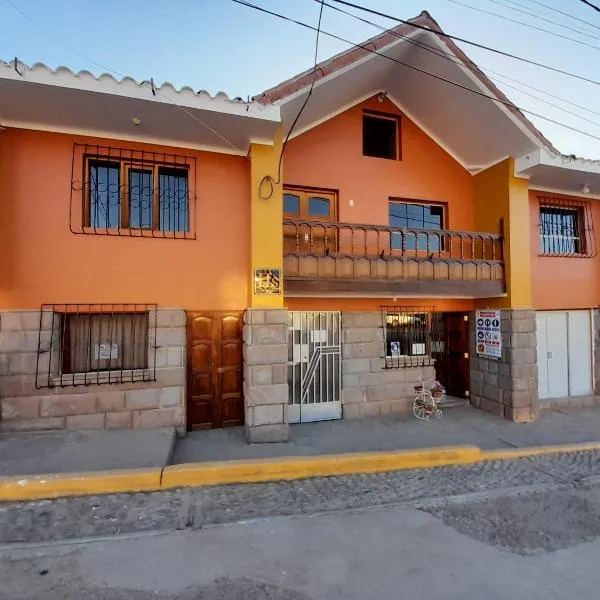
<point x="524" y="529"/>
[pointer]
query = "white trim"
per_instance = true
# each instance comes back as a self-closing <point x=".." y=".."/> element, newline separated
<point x="425" y="130"/>
<point x="129" y="138"/>
<point x="335" y="113"/>
<point x="552" y="190"/>
<point x="481" y="168"/>
<point x="499" y="103"/>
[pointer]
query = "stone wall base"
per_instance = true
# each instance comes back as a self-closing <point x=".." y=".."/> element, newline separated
<point x="508" y="387"/>
<point x="266" y="390"/>
<point x="139" y="405"/>
<point x="368" y="388"/>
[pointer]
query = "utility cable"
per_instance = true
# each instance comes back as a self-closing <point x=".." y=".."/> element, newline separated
<point x="121" y="75"/>
<point x="522" y="10"/>
<point x="267" y="180"/>
<point x="522" y="23"/>
<point x="414" y="68"/>
<point x="591" y="5"/>
<point x="453" y="58"/>
<point x="464" y="41"/>
<point x="561" y="12"/>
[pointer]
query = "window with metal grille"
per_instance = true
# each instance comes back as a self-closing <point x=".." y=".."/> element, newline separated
<point x="566" y="228"/>
<point x="411" y="336"/>
<point x="96" y="343"/>
<point x="130" y="192"/>
<point x="410" y="215"/>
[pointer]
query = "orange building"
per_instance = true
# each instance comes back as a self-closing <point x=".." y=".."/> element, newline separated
<point x="170" y="258"/>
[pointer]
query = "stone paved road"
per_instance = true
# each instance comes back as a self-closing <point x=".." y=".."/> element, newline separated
<point x="90" y="516"/>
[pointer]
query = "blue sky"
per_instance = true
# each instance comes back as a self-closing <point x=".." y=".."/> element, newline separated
<point x="218" y="45"/>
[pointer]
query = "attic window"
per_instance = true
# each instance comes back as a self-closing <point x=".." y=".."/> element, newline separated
<point x="380" y="135"/>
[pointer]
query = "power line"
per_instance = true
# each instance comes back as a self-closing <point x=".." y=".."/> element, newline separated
<point x="121" y="75"/>
<point x="528" y="25"/>
<point x="454" y="59"/>
<point x="267" y="179"/>
<point x="414" y="68"/>
<point x="566" y="14"/>
<point x="465" y="41"/>
<point x="535" y="15"/>
<point x="591" y="5"/>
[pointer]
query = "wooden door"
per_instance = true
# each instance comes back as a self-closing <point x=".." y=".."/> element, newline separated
<point x="452" y="364"/>
<point x="214" y="395"/>
<point x="317" y="206"/>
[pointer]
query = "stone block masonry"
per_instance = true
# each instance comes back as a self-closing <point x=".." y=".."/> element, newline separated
<point x="368" y="388"/>
<point x="143" y="404"/>
<point x="266" y="390"/>
<point x="508" y="387"/>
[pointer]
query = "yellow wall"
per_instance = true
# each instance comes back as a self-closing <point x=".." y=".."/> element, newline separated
<point x="266" y="217"/>
<point x="502" y="197"/>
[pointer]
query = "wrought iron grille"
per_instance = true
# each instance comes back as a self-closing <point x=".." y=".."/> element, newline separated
<point x="138" y="193"/>
<point x="84" y="344"/>
<point x="566" y="227"/>
<point x="412" y="334"/>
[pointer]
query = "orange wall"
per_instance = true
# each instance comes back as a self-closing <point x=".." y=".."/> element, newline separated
<point x="330" y="156"/>
<point x="375" y="304"/>
<point x="42" y="261"/>
<point x="563" y="282"/>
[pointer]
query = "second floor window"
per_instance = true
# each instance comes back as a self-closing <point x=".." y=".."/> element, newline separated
<point x="408" y="215"/>
<point x="131" y="196"/>
<point x="380" y="135"/>
<point x="561" y="230"/>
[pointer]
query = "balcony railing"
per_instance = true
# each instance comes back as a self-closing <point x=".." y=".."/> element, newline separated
<point x="346" y="257"/>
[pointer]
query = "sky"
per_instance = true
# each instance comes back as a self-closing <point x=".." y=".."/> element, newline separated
<point x="217" y="45"/>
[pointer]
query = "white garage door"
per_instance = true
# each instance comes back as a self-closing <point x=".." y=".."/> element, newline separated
<point x="564" y="353"/>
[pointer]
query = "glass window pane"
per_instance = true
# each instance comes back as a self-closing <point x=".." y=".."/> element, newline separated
<point x="291" y="204"/>
<point x="318" y="207"/>
<point x="433" y="217"/>
<point x="173" y="200"/>
<point x="140" y="199"/>
<point x="559" y="231"/>
<point x="105" y="195"/>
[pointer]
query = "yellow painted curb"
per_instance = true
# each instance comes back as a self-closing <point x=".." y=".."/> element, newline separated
<point x="35" y="487"/>
<point x="513" y="453"/>
<point x="246" y="471"/>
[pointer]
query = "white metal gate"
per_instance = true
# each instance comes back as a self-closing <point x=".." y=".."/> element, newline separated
<point x="314" y="366"/>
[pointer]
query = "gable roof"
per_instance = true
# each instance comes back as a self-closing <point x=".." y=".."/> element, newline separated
<point x="382" y="43"/>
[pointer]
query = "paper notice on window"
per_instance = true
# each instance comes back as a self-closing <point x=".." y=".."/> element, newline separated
<point x="106" y="351"/>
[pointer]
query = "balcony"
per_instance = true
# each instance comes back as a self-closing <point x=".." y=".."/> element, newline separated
<point x="348" y="259"/>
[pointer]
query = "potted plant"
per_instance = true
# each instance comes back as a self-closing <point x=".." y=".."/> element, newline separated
<point x="437" y="390"/>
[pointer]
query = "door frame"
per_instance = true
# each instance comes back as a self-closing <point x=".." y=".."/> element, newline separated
<point x="214" y="315"/>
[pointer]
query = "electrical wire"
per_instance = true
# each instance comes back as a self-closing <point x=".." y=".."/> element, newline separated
<point x="591" y="5"/>
<point x="561" y="12"/>
<point x="522" y="9"/>
<point x="121" y="75"/>
<point x="413" y="67"/>
<point x="267" y="179"/>
<point x="454" y="59"/>
<point x="463" y="40"/>
<point x="528" y="25"/>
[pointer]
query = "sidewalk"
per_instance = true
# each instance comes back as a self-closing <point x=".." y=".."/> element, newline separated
<point x="31" y="453"/>
<point x="458" y="426"/>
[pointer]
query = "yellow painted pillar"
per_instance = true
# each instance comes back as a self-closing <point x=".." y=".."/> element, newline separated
<point x="266" y="226"/>
<point x="502" y="197"/>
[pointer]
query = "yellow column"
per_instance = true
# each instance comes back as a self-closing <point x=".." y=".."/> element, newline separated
<point x="500" y="196"/>
<point x="266" y="227"/>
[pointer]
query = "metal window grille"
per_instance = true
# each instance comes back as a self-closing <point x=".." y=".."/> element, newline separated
<point x="566" y="227"/>
<point x="84" y="344"/>
<point x="138" y="193"/>
<point x="412" y="336"/>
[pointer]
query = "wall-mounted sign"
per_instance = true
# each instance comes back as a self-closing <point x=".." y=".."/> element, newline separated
<point x="267" y="282"/>
<point x="106" y="351"/>
<point x="488" y="337"/>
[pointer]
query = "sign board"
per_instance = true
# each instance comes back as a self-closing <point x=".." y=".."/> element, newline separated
<point x="267" y="282"/>
<point x="488" y="337"/>
<point x="106" y="351"/>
